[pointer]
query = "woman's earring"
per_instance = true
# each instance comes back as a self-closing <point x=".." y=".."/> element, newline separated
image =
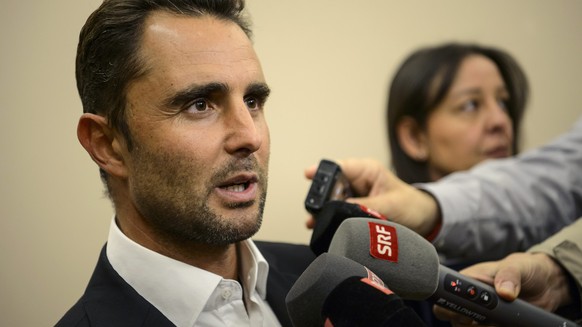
<point x="421" y="155"/>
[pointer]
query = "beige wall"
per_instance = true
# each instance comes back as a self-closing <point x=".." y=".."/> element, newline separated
<point x="328" y="63"/>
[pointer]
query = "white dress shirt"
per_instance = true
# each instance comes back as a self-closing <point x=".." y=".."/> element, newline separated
<point x="189" y="296"/>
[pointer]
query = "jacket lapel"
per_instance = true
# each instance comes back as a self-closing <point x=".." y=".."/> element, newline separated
<point x="110" y="301"/>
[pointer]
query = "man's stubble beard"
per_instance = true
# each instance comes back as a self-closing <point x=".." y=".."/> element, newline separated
<point x="169" y="200"/>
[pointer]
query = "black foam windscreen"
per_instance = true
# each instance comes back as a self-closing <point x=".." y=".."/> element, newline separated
<point x="327" y="221"/>
<point x="409" y="268"/>
<point x="305" y="299"/>
<point x="354" y="302"/>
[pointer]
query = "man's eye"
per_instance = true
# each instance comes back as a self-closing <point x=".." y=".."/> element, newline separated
<point x="252" y="103"/>
<point x="199" y="105"/>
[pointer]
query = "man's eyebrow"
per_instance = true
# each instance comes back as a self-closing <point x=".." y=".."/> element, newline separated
<point x="259" y="89"/>
<point x="194" y="92"/>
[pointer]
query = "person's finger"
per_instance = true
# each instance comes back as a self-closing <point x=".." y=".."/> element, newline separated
<point x="361" y="173"/>
<point x="484" y="271"/>
<point x="508" y="280"/>
<point x="310" y="223"/>
<point x="503" y="277"/>
<point x="310" y="171"/>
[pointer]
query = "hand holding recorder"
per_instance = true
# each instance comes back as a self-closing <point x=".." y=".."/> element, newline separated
<point x="375" y="187"/>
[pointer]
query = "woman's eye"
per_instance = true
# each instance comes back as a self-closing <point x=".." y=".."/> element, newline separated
<point x="469" y="106"/>
<point x="503" y="103"/>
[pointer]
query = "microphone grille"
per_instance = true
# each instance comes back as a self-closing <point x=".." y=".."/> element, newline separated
<point x="404" y="260"/>
<point x="305" y="299"/>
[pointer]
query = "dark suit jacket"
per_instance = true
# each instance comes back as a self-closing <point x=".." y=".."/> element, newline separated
<point x="109" y="301"/>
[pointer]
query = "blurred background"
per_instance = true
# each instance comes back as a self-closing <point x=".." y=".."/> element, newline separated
<point x="328" y="64"/>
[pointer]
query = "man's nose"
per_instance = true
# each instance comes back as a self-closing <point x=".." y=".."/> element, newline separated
<point x="243" y="131"/>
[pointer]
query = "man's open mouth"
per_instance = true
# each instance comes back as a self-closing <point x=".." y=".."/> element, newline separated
<point x="236" y="187"/>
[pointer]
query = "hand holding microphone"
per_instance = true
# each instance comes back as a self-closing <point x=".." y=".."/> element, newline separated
<point x="535" y="277"/>
<point x="409" y="265"/>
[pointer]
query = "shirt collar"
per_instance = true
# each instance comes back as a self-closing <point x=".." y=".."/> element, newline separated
<point x="178" y="290"/>
<point x="255" y="267"/>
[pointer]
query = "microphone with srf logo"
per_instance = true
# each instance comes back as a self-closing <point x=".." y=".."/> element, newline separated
<point x="409" y="266"/>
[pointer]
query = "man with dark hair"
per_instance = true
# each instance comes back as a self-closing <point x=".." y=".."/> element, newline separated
<point x="173" y="96"/>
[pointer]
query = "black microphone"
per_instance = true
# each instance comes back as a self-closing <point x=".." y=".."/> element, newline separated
<point x="409" y="265"/>
<point x="327" y="221"/>
<point x="358" y="302"/>
<point x="337" y="291"/>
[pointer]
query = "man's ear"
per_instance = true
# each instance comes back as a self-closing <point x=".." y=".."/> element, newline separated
<point x="102" y="144"/>
<point x="412" y="139"/>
